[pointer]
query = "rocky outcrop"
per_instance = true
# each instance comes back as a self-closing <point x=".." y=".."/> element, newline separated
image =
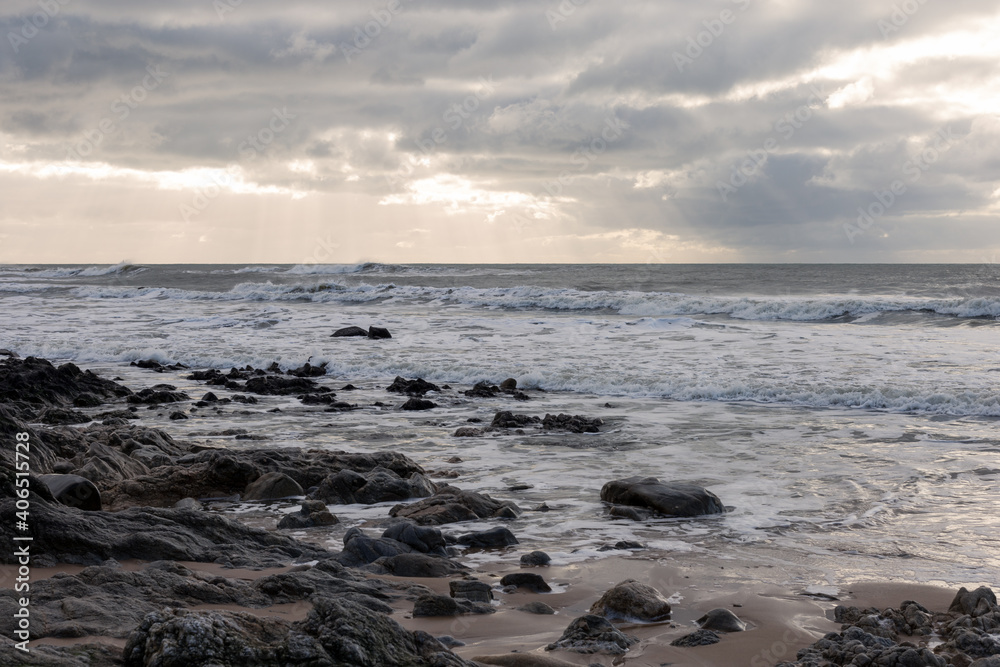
<point x="451" y="505"/>
<point x="633" y="602"/>
<point x="376" y="486"/>
<point x="668" y="499"/>
<point x="36" y="382"/>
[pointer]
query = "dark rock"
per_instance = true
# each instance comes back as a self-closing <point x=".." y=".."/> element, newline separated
<point x="249" y="400"/>
<point x="359" y="549"/>
<point x="319" y="399"/>
<point x="378" y="333"/>
<point x="494" y="538"/>
<point x="442" y="605"/>
<point x="157" y="396"/>
<point x="572" y="423"/>
<point x="74" y="491"/>
<point x="307" y="370"/>
<point x="417" y="565"/>
<point x="535" y="559"/>
<point x="348" y="332"/>
<point x="415" y="404"/>
<point x="36" y="381"/>
<point x="624" y="544"/>
<point x="86" y="401"/>
<point x="670" y="499"/>
<point x="510" y="384"/>
<point x="967" y="602"/>
<point x="474" y="590"/>
<point x="188" y="504"/>
<point x="533" y="582"/>
<point x="482" y="390"/>
<point x="468" y="432"/>
<point x="273" y="385"/>
<point x="272" y="486"/>
<point x="210" y="398"/>
<point x="633" y="602"/>
<point x="376" y="486"/>
<point x="697" y="638"/>
<point x="176" y="416"/>
<point x="632" y="513"/>
<point x="593" y="634"/>
<point x="722" y="620"/>
<point x="451" y="505"/>
<point x="424" y="539"/>
<point x="417" y="387"/>
<point x="450" y="642"/>
<point x="312" y="513"/>
<point x="61" y="417"/>
<point x="537" y="608"/>
<point x="507" y="419"/>
<point x="348" y="387"/>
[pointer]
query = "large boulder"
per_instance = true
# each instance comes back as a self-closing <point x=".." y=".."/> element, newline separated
<point x="669" y="499"/>
<point x="633" y="602"/>
<point x="377" y="486"/>
<point x="272" y="486"/>
<point x="425" y="539"/>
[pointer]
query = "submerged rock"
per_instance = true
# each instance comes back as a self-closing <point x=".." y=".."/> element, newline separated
<point x="417" y="404"/>
<point x="634" y="602"/>
<point x="697" y="638"/>
<point x="349" y="332"/>
<point x="670" y="499"/>
<point x="312" y="513"/>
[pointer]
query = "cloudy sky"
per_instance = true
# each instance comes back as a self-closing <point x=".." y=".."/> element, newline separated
<point x="500" y="131"/>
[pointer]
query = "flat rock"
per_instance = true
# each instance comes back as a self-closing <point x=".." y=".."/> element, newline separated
<point x="669" y="499"/>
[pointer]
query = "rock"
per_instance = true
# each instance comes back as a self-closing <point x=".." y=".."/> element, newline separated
<point x="442" y="605"/>
<point x="312" y="513"/>
<point x="722" y="620"/>
<point x="451" y="505"/>
<point x="537" y="608"/>
<point x="36" y="381"/>
<point x="61" y="417"/>
<point x="359" y="549"/>
<point x="670" y="499"/>
<point x="415" y="404"/>
<point x="449" y="641"/>
<point x="424" y="539"/>
<point x="697" y="638"/>
<point x="633" y="602"/>
<point x="272" y="486"/>
<point x="178" y="416"/>
<point x="468" y="432"/>
<point x="593" y="634"/>
<point x="572" y="423"/>
<point x="74" y="491"/>
<point x="66" y="535"/>
<point x="482" y="390"/>
<point x="533" y="582"/>
<point x="521" y="660"/>
<point x="188" y="504"/>
<point x="336" y="632"/>
<point x="507" y="419"/>
<point x="348" y="487"/>
<point x="158" y="395"/>
<point x="967" y="602"/>
<point x="474" y="590"/>
<point x="494" y="538"/>
<point x="307" y="370"/>
<point x="378" y="333"/>
<point x="219" y="475"/>
<point x="535" y="559"/>
<point x="417" y="565"/>
<point x="510" y="384"/>
<point x="417" y="387"/>
<point x="623" y="545"/>
<point x="273" y="385"/>
<point x="210" y="398"/>
<point x="349" y="332"/>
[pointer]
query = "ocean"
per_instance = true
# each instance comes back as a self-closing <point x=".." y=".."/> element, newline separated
<point x="847" y="414"/>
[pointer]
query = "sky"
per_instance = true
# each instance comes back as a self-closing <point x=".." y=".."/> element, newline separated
<point x="499" y="131"/>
